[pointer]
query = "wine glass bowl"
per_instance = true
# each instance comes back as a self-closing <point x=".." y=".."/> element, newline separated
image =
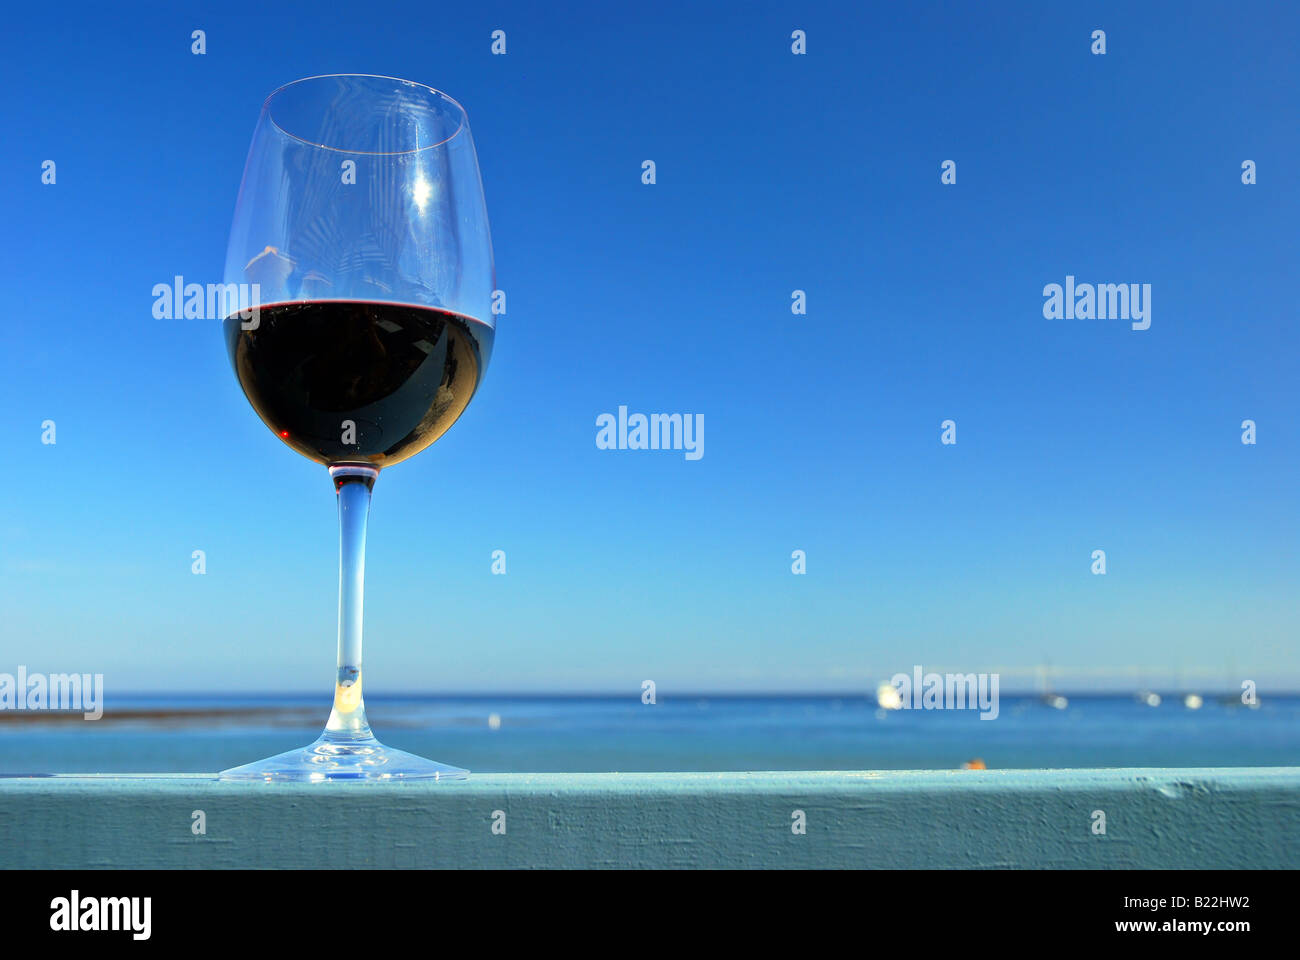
<point x="362" y="224"/>
<point x="360" y="239"/>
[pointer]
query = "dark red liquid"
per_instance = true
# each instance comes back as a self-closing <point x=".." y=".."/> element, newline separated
<point x="348" y="381"/>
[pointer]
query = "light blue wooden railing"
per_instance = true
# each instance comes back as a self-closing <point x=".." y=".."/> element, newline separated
<point x="1210" y="818"/>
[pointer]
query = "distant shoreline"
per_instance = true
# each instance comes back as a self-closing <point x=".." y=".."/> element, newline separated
<point x="307" y="709"/>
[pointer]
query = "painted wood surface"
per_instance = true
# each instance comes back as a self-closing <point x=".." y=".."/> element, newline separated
<point x="1205" y="818"/>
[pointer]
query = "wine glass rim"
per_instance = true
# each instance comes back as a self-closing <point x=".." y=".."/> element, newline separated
<point x="462" y="116"/>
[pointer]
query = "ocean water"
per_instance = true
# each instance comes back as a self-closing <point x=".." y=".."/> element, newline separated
<point x="189" y="734"/>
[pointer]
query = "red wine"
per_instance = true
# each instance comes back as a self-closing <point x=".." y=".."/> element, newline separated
<point x="346" y="381"/>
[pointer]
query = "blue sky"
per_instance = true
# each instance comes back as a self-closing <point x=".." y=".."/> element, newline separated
<point x="775" y="172"/>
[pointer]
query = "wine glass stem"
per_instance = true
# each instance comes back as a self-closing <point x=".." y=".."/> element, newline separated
<point x="352" y="484"/>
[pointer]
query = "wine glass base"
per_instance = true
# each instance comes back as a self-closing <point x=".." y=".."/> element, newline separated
<point x="345" y="760"/>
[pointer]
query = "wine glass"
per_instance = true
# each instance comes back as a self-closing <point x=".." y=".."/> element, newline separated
<point x="361" y="238"/>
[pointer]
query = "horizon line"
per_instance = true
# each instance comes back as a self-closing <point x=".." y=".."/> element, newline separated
<point x="696" y="694"/>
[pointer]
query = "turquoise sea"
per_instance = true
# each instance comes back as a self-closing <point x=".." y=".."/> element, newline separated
<point x="195" y="734"/>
